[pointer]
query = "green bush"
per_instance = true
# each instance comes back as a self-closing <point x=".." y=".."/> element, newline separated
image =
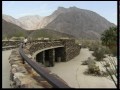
<point x="92" y="68"/>
<point x="114" y="51"/>
<point x="86" y="62"/>
<point x="93" y="45"/>
<point x="99" y="53"/>
<point x="109" y="39"/>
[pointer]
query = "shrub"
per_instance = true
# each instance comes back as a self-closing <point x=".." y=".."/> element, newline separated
<point x="112" y="69"/>
<point x="109" y="39"/>
<point x="107" y="50"/>
<point x="114" y="51"/>
<point x="93" y="46"/>
<point x="99" y="54"/>
<point x="104" y="73"/>
<point x="92" y="68"/>
<point x="86" y="62"/>
<point x="107" y="65"/>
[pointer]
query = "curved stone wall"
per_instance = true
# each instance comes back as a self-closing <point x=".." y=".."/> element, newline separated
<point x="71" y="49"/>
<point x="41" y="45"/>
<point x="23" y="76"/>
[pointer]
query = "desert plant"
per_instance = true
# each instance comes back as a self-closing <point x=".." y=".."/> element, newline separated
<point x="92" y="68"/>
<point x="107" y="65"/>
<point x="106" y="50"/>
<point x="85" y="62"/>
<point x="99" y="54"/>
<point x="89" y="60"/>
<point x="112" y="69"/>
<point x="109" y="39"/>
<point x="94" y="45"/>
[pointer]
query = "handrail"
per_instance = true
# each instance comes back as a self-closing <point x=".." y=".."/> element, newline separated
<point x="55" y="82"/>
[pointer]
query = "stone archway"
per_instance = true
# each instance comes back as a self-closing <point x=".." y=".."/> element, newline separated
<point x="50" y="56"/>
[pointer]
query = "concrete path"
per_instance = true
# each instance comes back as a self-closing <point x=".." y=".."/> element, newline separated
<point x="5" y="69"/>
<point x="73" y="73"/>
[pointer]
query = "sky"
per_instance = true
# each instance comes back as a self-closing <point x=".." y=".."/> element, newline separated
<point x="16" y="9"/>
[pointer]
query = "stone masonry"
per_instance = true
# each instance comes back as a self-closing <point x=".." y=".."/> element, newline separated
<point x="70" y="50"/>
<point x="23" y="76"/>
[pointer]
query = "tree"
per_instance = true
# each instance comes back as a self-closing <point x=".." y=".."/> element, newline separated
<point x="109" y="39"/>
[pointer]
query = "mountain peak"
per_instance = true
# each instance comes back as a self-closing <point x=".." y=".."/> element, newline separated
<point x="61" y="8"/>
<point x="74" y="7"/>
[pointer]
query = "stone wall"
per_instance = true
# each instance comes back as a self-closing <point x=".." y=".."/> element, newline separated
<point x="23" y="76"/>
<point x="20" y="77"/>
<point x="71" y="49"/>
<point x="11" y="43"/>
<point x="41" y="45"/>
<point x="7" y="45"/>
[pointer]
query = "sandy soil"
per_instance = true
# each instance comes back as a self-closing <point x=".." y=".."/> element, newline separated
<point x="72" y="73"/>
<point x="5" y="69"/>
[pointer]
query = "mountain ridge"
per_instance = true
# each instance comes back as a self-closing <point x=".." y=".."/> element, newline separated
<point x="74" y="21"/>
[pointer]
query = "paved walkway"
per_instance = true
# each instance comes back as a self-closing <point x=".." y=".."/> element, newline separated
<point x="5" y="69"/>
<point x="73" y="73"/>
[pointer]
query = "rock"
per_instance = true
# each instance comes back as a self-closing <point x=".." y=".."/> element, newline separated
<point x="17" y="82"/>
<point x="22" y="69"/>
<point x="18" y="75"/>
<point x="13" y="70"/>
<point x="14" y="66"/>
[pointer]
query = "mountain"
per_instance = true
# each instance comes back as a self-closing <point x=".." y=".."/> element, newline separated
<point x="31" y="22"/>
<point x="79" y="23"/>
<point x="10" y="30"/>
<point x="46" y="20"/>
<point x="12" y="20"/>
<point x="48" y="33"/>
<point x="74" y="21"/>
<point x="26" y="22"/>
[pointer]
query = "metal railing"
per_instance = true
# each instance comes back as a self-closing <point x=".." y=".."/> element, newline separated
<point x="54" y="81"/>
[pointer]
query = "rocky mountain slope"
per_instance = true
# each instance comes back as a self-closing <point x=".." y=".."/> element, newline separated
<point x="31" y="22"/>
<point x="77" y="22"/>
<point x="11" y="19"/>
<point x="80" y="23"/>
<point x="11" y="30"/>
